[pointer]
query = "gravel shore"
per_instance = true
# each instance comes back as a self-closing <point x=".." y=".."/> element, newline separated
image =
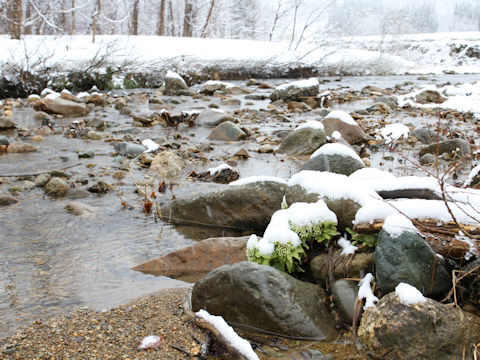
<point x="112" y="334"/>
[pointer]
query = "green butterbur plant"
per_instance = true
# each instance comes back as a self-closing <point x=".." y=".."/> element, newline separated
<point x="368" y="241"/>
<point x="285" y="240"/>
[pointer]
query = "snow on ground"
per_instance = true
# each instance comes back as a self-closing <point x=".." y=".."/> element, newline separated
<point x="464" y="97"/>
<point x="393" y="132"/>
<point x="368" y="55"/>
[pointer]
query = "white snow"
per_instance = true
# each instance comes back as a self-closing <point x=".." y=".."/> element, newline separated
<point x="336" y="135"/>
<point x="299" y="84"/>
<point x="464" y="97"/>
<point x="219" y="168"/>
<point x="259" y="178"/>
<point x="342" y="116"/>
<point x="336" y="149"/>
<point x="409" y="295"/>
<point x="173" y="75"/>
<point x="418" y="209"/>
<point x="396" y="224"/>
<point x="372" y="174"/>
<point x="149" y="341"/>
<point x="367" y="55"/>
<point x="347" y="247"/>
<point x="252" y="242"/>
<point x="150" y="145"/>
<point x="472" y="251"/>
<point x="393" y="132"/>
<point x="311" y="124"/>
<point x="300" y="214"/>
<point x="240" y="344"/>
<point x="474" y="172"/>
<point x="333" y="186"/>
<point x="33" y="97"/>
<point x="365" y="291"/>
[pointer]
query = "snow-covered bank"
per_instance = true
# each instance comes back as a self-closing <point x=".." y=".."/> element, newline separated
<point x="203" y="58"/>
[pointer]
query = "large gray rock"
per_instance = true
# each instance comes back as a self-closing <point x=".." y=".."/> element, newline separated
<point x="335" y="163"/>
<point x="175" y="85"/>
<point x="427" y="136"/>
<point x="351" y="133"/>
<point x="459" y="147"/>
<point x="423" y="331"/>
<point x="303" y="142"/>
<point x="408" y="258"/>
<point x="246" y="207"/>
<point x="56" y="187"/>
<point x="212" y="117"/>
<point x="430" y="96"/>
<point x="61" y="106"/>
<point x="265" y="298"/>
<point x="296" y="90"/>
<point x="227" y="131"/>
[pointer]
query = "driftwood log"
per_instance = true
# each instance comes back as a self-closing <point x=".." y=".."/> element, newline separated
<point x="439" y="235"/>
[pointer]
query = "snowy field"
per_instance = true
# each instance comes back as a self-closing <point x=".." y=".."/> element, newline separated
<point x="369" y="55"/>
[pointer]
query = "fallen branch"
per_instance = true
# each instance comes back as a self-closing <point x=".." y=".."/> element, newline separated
<point x="40" y="172"/>
<point x="239" y="348"/>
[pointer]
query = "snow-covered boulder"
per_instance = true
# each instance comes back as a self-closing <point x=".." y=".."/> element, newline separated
<point x="342" y="195"/>
<point x="336" y="158"/>
<point x="244" y="207"/>
<point x="304" y="140"/>
<point x="402" y="255"/>
<point x="265" y="298"/>
<point x="425" y="330"/>
<point x="175" y="85"/>
<point x="296" y="90"/>
<point x="211" y="86"/>
<point x="339" y="120"/>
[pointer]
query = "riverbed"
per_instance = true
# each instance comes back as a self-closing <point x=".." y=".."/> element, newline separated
<point x="54" y="262"/>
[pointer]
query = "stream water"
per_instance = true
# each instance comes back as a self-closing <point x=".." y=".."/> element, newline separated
<point x="53" y="262"/>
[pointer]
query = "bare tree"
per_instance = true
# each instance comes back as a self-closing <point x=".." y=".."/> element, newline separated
<point x="95" y="16"/>
<point x="134" y="28"/>
<point x="188" y="19"/>
<point x="208" y="20"/>
<point x="15" y="15"/>
<point x="296" y="6"/>
<point x="161" y="19"/>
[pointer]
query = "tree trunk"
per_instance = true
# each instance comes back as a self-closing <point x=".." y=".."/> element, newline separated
<point x="188" y="19"/>
<point x="161" y="19"/>
<point x="15" y="15"/>
<point x="170" y="19"/>
<point x="96" y="14"/>
<point x="209" y="17"/>
<point x="73" y="20"/>
<point x="63" y="18"/>
<point x="134" y="30"/>
<point x="27" y="30"/>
